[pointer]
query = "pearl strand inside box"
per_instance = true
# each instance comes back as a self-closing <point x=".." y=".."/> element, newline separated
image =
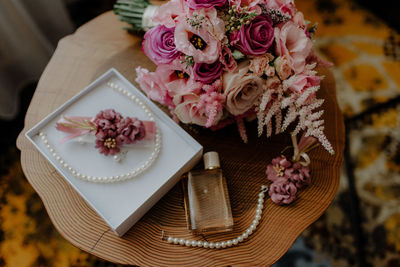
<point x="119" y="177"/>
<point x="226" y="243"/>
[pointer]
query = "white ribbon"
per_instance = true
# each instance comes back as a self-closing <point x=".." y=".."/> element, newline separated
<point x="149" y="12"/>
<point x="297" y="155"/>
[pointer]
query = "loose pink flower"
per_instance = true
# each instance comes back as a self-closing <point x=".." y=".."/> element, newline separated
<point x="153" y="86"/>
<point x="169" y="13"/>
<point x="292" y="42"/>
<point x="277" y="169"/>
<point x="282" y="191"/>
<point x="282" y="67"/>
<point x="241" y="89"/>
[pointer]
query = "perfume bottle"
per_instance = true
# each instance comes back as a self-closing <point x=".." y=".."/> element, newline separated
<point x="207" y="204"/>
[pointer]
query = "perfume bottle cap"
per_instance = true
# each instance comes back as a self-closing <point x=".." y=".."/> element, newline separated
<point x="211" y="160"/>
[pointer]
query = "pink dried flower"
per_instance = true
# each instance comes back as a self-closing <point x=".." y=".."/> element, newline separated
<point x="282" y="191"/>
<point x="130" y="130"/>
<point x="107" y="141"/>
<point x="299" y="175"/>
<point x="107" y="119"/>
<point x="277" y="169"/>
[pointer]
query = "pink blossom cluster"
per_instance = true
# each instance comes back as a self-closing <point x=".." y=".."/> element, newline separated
<point x="113" y="131"/>
<point x="221" y="61"/>
<point x="286" y="177"/>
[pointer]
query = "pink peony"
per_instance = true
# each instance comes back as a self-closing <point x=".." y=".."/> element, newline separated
<point x="207" y="73"/>
<point x="282" y="67"/>
<point x="277" y="169"/>
<point x="242" y="89"/>
<point x="159" y="45"/>
<point x="257" y="37"/>
<point x="130" y="130"/>
<point x="292" y="42"/>
<point x="260" y="65"/>
<point x="285" y="6"/>
<point x="204" y="110"/>
<point x="169" y="13"/>
<point x="197" y="4"/>
<point x="153" y="86"/>
<point x="300" y="83"/>
<point x="203" y="43"/>
<point x="227" y="59"/>
<point x="282" y="191"/>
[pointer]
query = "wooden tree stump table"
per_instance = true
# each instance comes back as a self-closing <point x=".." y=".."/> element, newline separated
<point x="102" y="44"/>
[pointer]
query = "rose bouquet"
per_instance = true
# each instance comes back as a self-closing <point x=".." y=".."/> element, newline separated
<point x="229" y="61"/>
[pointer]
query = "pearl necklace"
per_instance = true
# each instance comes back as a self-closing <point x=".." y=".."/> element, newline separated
<point x="227" y="243"/>
<point x="120" y="177"/>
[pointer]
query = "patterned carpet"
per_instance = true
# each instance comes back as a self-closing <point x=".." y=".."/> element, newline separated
<point x="361" y="227"/>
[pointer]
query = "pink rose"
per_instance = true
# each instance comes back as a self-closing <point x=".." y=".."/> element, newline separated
<point x="282" y="67"/>
<point x="285" y="6"/>
<point x="204" y="110"/>
<point x="292" y="42"/>
<point x="169" y="13"/>
<point x="260" y="65"/>
<point x="159" y="46"/>
<point x="252" y="5"/>
<point x="227" y="59"/>
<point x="282" y="191"/>
<point x="152" y="85"/>
<point x="241" y="89"/>
<point x="257" y="37"/>
<point x="300" y="83"/>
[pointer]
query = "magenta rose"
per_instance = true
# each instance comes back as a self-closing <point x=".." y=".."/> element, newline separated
<point x="257" y="37"/>
<point x="282" y="191"/>
<point x="207" y="73"/>
<point x="197" y="4"/>
<point x="159" y="45"/>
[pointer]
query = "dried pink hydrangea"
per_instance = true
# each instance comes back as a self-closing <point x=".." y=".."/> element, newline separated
<point x="130" y="130"/>
<point x="277" y="169"/>
<point x="282" y="191"/>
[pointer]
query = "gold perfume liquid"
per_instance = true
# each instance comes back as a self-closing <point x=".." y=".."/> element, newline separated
<point x="207" y="202"/>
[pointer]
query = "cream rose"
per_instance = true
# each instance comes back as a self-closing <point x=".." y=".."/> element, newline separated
<point x="241" y="89"/>
<point x="282" y="67"/>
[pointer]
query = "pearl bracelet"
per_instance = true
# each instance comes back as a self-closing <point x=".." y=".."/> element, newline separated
<point x="227" y="243"/>
<point x="120" y="177"/>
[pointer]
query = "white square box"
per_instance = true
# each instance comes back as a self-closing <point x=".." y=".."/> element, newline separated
<point x="120" y="204"/>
